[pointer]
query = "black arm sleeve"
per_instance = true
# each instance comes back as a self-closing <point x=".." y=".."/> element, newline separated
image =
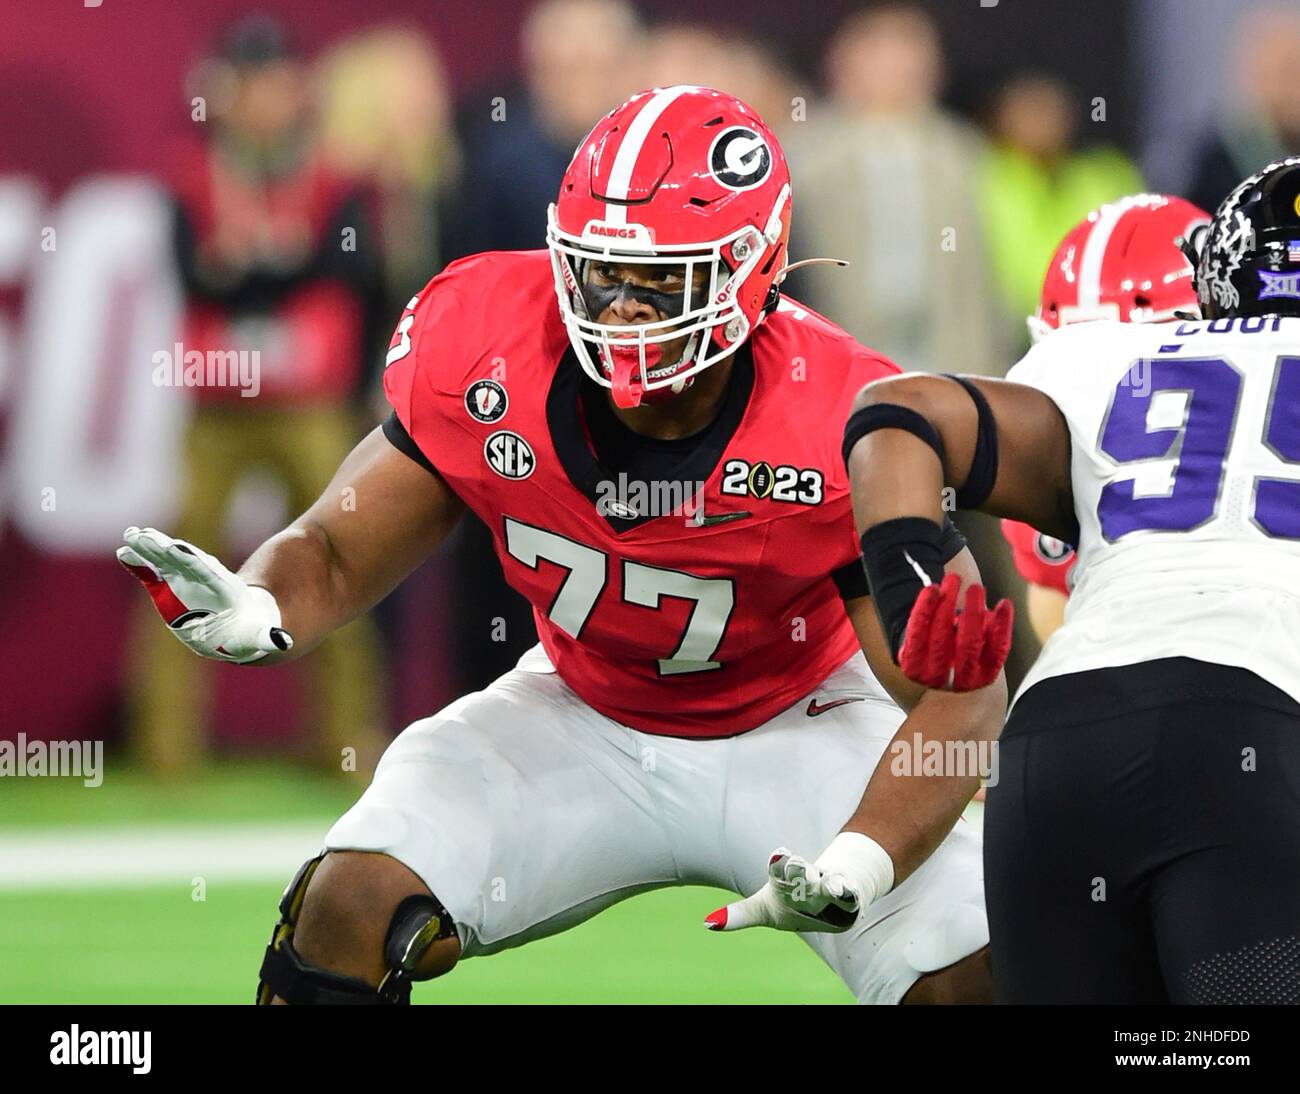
<point x="851" y="578"/>
<point x="953" y="542"/>
<point x="403" y="442"/>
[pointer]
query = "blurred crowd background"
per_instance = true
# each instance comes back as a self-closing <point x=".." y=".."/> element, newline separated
<point x="283" y="177"/>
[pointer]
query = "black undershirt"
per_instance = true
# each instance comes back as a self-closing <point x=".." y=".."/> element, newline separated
<point x="405" y="443"/>
<point x="624" y="450"/>
<point x="595" y="448"/>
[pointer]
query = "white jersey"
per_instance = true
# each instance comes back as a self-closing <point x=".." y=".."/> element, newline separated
<point x="1185" y="460"/>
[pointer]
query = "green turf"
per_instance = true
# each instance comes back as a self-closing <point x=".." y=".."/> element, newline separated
<point x="229" y="791"/>
<point x="153" y="945"/>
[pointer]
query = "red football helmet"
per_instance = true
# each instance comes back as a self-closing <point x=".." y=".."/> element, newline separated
<point x="679" y="179"/>
<point x="1122" y="262"/>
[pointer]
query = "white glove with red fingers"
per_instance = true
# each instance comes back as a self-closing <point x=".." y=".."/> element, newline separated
<point x="211" y="610"/>
<point x="823" y="896"/>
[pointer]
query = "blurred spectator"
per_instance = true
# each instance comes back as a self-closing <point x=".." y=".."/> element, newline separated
<point x="581" y="59"/>
<point x="386" y="118"/>
<point x="1033" y="187"/>
<point x="1262" y="123"/>
<point x="882" y="177"/>
<point x="687" y="53"/>
<point x="276" y="260"/>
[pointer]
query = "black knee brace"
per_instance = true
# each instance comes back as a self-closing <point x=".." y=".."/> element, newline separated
<point x="418" y="922"/>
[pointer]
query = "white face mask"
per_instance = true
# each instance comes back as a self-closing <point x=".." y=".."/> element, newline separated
<point x="627" y="359"/>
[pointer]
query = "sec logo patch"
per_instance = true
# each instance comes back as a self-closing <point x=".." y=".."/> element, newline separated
<point x="486" y="401"/>
<point x="509" y="455"/>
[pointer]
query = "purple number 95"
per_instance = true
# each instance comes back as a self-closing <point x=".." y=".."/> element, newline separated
<point x="1211" y="388"/>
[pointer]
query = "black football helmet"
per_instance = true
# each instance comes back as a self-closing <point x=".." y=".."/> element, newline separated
<point x="1249" y="261"/>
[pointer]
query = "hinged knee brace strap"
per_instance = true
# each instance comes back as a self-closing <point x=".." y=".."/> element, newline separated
<point x="417" y="923"/>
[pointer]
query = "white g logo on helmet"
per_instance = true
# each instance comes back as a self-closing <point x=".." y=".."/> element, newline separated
<point x="739" y="158"/>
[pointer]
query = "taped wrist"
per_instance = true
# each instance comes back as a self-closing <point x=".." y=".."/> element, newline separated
<point x="901" y="557"/>
<point x="860" y="859"/>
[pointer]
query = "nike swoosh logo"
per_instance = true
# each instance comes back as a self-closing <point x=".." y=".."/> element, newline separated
<point x="815" y="708"/>
<point x="719" y="518"/>
<point x="925" y="578"/>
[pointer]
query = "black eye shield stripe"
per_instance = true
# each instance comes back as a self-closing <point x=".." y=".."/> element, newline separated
<point x="670" y="305"/>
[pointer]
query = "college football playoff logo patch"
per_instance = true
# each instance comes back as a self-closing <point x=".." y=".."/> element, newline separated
<point x="740" y="158"/>
<point x="486" y="401"/>
<point x="509" y="455"/>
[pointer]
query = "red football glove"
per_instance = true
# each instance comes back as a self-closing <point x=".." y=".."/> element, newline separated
<point x="956" y="651"/>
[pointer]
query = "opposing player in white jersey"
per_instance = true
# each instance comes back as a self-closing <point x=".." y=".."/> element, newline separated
<point x="1142" y="843"/>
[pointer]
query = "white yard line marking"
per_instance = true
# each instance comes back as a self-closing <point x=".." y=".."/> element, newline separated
<point x="84" y="857"/>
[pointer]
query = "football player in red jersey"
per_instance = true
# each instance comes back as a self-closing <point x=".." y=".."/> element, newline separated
<point x="1122" y="261"/>
<point x="659" y="460"/>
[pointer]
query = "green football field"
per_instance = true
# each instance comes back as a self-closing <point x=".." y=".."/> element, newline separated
<point x="133" y="892"/>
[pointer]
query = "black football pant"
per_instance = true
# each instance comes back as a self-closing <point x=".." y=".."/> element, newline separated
<point x="1142" y="841"/>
